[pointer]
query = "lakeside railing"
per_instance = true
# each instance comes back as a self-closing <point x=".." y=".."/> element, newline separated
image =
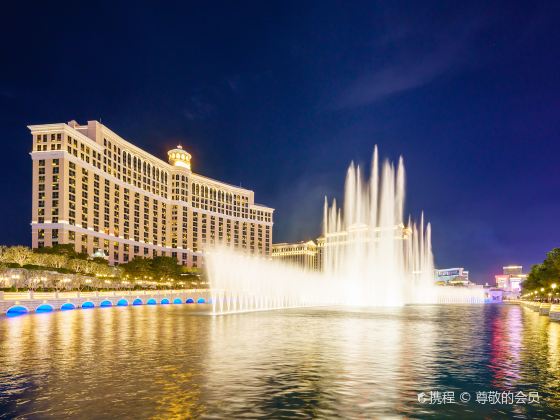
<point x="33" y="295"/>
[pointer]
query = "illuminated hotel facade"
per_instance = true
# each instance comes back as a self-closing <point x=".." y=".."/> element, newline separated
<point x="301" y="254"/>
<point x="95" y="190"/>
<point x="311" y="254"/>
<point x="511" y="280"/>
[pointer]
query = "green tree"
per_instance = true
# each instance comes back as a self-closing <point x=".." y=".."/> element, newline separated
<point x="62" y="249"/>
<point x="77" y="265"/>
<point x="50" y="260"/>
<point x="58" y="282"/>
<point x="20" y="255"/>
<point x="166" y="268"/>
<point x="137" y="268"/>
<point x="544" y="274"/>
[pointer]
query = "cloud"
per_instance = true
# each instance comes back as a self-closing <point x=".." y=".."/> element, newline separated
<point x="406" y="57"/>
<point x="392" y="79"/>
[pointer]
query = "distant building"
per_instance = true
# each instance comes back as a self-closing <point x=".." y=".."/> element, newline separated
<point x="511" y="279"/>
<point x="452" y="276"/>
<point x="321" y="242"/>
<point x="301" y="254"/>
<point x="337" y="241"/>
<point x="513" y="270"/>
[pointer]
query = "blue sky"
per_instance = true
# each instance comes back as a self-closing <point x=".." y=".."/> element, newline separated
<point x="280" y="96"/>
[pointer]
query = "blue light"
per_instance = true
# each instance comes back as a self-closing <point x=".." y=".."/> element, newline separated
<point x="165" y="301"/>
<point x="67" y="306"/>
<point x="190" y="300"/>
<point x="16" y="311"/>
<point x="137" y="302"/>
<point x="151" y="301"/>
<point x="88" y="305"/>
<point x="44" y="308"/>
<point x="201" y="300"/>
<point x="122" y="302"/>
<point x="177" y="300"/>
<point x="105" y="304"/>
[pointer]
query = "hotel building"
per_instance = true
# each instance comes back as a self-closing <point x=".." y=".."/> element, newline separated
<point x="511" y="279"/>
<point x="93" y="189"/>
<point x="311" y="254"/>
<point x="301" y="254"/>
<point x="452" y="276"/>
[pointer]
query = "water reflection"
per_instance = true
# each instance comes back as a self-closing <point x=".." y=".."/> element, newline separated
<point x="505" y="349"/>
<point x="165" y="361"/>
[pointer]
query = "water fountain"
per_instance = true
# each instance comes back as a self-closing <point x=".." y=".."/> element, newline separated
<point x="369" y="257"/>
<point x="368" y="248"/>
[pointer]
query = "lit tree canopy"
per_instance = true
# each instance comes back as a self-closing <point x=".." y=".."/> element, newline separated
<point x="544" y="274"/>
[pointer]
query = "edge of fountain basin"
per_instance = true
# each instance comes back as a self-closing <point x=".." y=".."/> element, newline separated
<point x="31" y="304"/>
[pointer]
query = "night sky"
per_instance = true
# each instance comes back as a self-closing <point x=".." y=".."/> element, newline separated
<point x="280" y="97"/>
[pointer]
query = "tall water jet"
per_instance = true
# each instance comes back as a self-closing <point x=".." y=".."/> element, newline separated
<point x="368" y="251"/>
<point x="369" y="256"/>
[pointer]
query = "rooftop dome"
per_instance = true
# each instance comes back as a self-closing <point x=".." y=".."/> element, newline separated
<point x="179" y="157"/>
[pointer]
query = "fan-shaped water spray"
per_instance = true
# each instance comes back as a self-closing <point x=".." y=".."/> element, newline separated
<point x="369" y="257"/>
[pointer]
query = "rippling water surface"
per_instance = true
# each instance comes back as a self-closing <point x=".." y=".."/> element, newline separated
<point x="166" y="361"/>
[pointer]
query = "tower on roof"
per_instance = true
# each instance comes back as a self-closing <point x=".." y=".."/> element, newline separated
<point x="179" y="157"/>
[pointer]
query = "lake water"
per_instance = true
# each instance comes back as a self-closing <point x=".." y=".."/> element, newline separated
<point x="166" y="361"/>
